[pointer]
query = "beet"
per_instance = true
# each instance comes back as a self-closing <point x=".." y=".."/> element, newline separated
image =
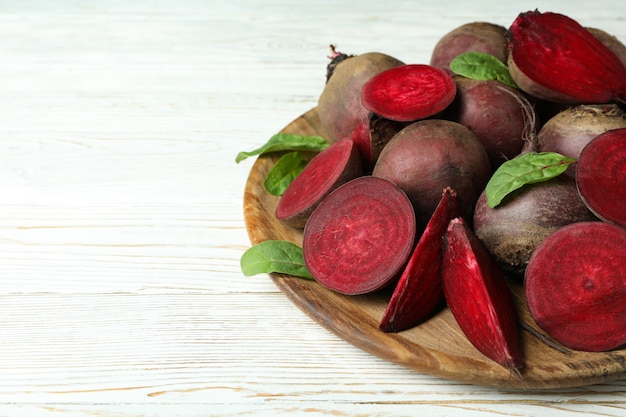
<point x="500" y="116"/>
<point x="601" y="176"/>
<point x="570" y="130"/>
<point x="360" y="237"/>
<point x="553" y="57"/>
<point x="419" y="290"/>
<point x="409" y="92"/>
<point x="576" y="287"/>
<point x="335" y="165"/>
<point x="513" y="230"/>
<point x="611" y="42"/>
<point x="479" y="297"/>
<point x="483" y="37"/>
<point x="429" y="155"/>
<point x="339" y="105"/>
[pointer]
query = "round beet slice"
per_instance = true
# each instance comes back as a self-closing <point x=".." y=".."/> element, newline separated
<point x="335" y="165"/>
<point x="409" y="92"/>
<point x="601" y="175"/>
<point x="360" y="236"/>
<point x="576" y="287"/>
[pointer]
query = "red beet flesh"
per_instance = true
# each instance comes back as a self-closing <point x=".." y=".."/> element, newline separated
<point x="409" y="92"/>
<point x="332" y="167"/>
<point x="479" y="297"/>
<point x="563" y="60"/>
<point x="576" y="288"/>
<point x="601" y="176"/>
<point x="419" y="290"/>
<point x="360" y="237"/>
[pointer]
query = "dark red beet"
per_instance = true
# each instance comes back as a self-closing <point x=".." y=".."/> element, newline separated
<point x="601" y="176"/>
<point x="337" y="164"/>
<point x="429" y="155"/>
<point x="419" y="291"/>
<point x="483" y="37"/>
<point x="479" y="297"/>
<point x="514" y="229"/>
<point x="360" y="237"/>
<point x="576" y="287"/>
<point x="409" y="92"/>
<point x="553" y="57"/>
<point x="500" y="116"/>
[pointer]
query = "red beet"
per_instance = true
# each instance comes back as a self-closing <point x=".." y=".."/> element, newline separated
<point x="419" y="291"/>
<point x="500" y="116"/>
<point x="360" y="237"/>
<point x="553" y="57"/>
<point x="337" y="164"/>
<point x="409" y="92"/>
<point x="601" y="176"/>
<point x="513" y="230"/>
<point x="429" y="155"/>
<point x="479" y="297"/>
<point x="483" y="37"/>
<point x="576" y="287"/>
<point x="570" y="130"/>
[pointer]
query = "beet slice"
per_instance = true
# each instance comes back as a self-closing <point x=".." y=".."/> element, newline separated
<point x="409" y="92"/>
<point x="479" y="297"/>
<point x="360" y="236"/>
<point x="601" y="176"/>
<point x="419" y="290"/>
<point x="576" y="287"/>
<point x="335" y="165"/>
<point x="553" y="57"/>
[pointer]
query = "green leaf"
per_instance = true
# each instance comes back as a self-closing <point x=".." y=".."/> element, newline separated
<point x="482" y="66"/>
<point x="274" y="256"/>
<point x="287" y="142"/>
<point x="284" y="172"/>
<point x="529" y="168"/>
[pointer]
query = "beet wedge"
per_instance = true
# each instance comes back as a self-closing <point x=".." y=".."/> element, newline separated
<point x="554" y="58"/>
<point x="601" y="176"/>
<point x="576" y="287"/>
<point x="419" y="291"/>
<point x="360" y="237"/>
<point x="329" y="169"/>
<point x="409" y="92"/>
<point x="479" y="297"/>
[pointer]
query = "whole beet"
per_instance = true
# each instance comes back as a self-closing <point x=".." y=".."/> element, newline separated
<point x="429" y="155"/>
<point x="500" y="116"/>
<point x="471" y="37"/>
<point x="570" y="130"/>
<point x="339" y="105"/>
<point x="514" y="229"/>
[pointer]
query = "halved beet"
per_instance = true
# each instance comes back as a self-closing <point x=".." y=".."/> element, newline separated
<point x="601" y="176"/>
<point x="360" y="236"/>
<point x="479" y="297"/>
<point x="576" y="287"/>
<point x="409" y="92"/>
<point x="419" y="290"/>
<point x="553" y="57"/>
<point x="335" y="165"/>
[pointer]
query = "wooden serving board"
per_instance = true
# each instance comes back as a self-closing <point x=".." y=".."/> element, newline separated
<point x="437" y="346"/>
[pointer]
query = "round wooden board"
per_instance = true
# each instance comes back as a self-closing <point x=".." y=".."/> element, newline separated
<point x="437" y="346"/>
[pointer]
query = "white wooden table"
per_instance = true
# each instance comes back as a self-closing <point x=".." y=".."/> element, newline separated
<point x="121" y="222"/>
